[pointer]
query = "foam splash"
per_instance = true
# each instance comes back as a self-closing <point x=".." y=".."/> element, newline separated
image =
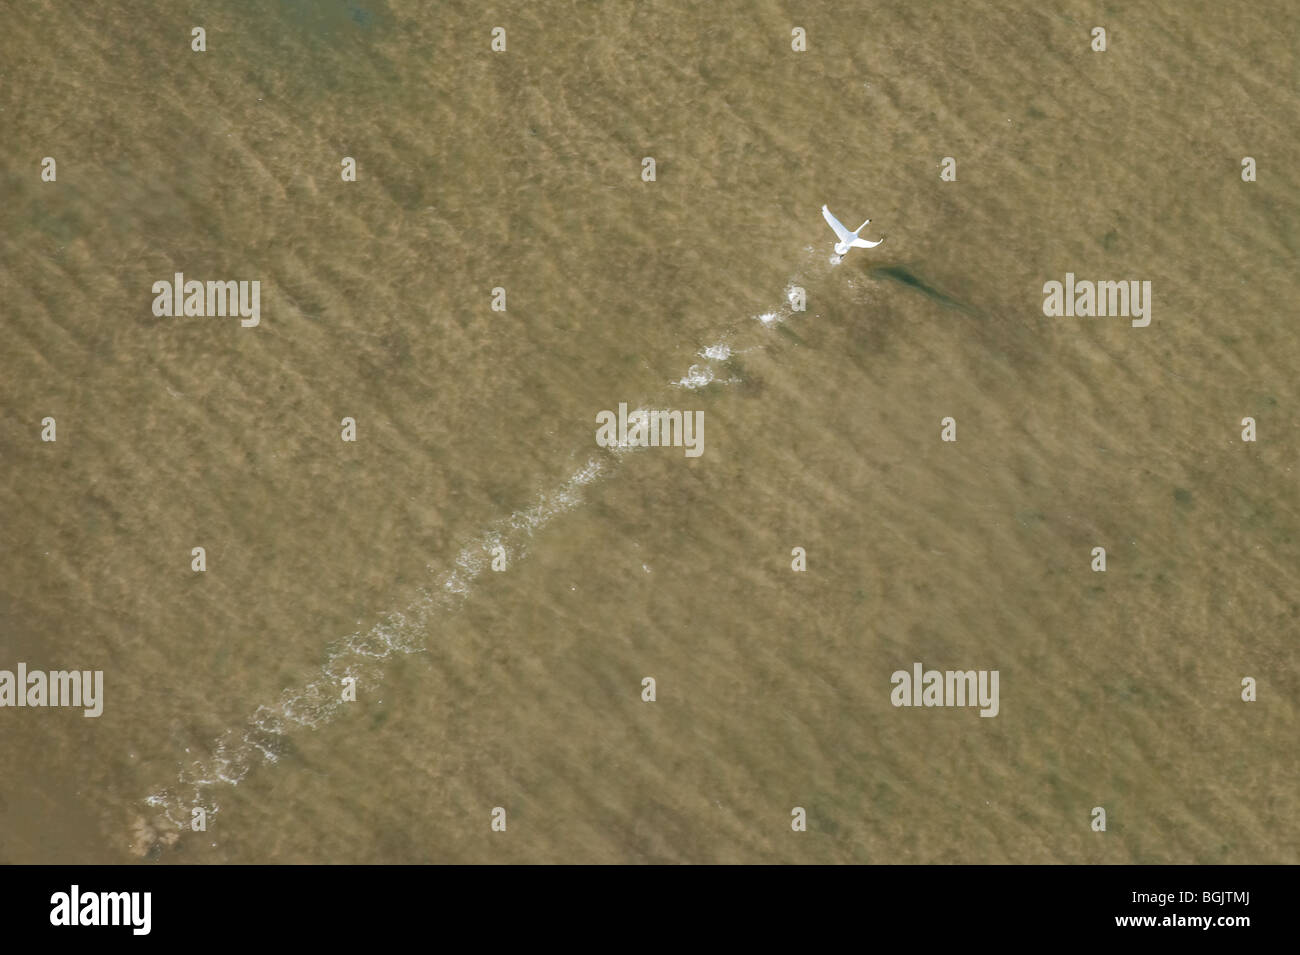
<point x="697" y="377"/>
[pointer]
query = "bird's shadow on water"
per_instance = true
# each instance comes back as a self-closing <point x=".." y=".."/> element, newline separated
<point x="870" y="339"/>
<point x="1012" y="344"/>
<point x="905" y="276"/>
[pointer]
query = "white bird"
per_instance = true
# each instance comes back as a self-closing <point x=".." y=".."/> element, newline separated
<point x="848" y="240"/>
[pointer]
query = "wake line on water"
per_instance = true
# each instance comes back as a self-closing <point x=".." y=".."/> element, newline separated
<point x="362" y="655"/>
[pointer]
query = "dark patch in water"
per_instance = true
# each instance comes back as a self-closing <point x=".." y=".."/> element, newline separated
<point x="904" y="276"/>
<point x="790" y="334"/>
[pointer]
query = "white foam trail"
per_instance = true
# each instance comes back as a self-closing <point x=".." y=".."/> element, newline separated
<point x="236" y="752"/>
<point x="363" y="654"/>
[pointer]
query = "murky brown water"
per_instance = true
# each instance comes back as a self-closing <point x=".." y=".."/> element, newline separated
<point x="522" y="170"/>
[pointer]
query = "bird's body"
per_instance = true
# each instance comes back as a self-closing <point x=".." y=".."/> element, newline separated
<point x="848" y="240"/>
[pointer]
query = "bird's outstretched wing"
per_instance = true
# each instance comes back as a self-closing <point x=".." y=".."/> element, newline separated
<point x="842" y="233"/>
<point x="865" y="243"/>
